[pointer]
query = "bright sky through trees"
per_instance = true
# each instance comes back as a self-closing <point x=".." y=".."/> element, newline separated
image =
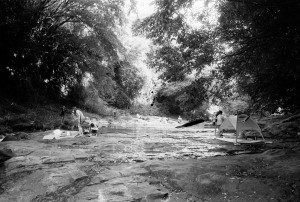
<point x="144" y="8"/>
<point x="201" y="15"/>
<point x="201" y="12"/>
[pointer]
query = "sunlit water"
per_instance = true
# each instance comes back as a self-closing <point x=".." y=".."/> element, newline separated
<point x="142" y="143"/>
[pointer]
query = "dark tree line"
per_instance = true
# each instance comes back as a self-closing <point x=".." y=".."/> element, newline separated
<point x="49" y="47"/>
<point x="265" y="36"/>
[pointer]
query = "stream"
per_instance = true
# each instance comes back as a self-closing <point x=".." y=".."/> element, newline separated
<point x="75" y="169"/>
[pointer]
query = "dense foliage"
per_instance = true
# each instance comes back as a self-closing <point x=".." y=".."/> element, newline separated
<point x="59" y="48"/>
<point x="180" y="49"/>
<point x="183" y="98"/>
<point x="265" y="41"/>
<point x="179" y="52"/>
<point x="254" y="49"/>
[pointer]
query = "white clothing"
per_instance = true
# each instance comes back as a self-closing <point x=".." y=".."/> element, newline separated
<point x="179" y="119"/>
<point x="80" y="119"/>
<point x="79" y="115"/>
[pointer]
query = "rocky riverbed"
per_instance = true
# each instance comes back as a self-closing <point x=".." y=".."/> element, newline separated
<point x="147" y="160"/>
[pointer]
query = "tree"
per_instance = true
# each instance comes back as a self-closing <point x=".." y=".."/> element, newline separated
<point x="50" y="45"/>
<point x="255" y="49"/>
<point x="264" y="57"/>
<point x="180" y="50"/>
<point x="129" y="83"/>
<point x="183" y="97"/>
<point x="192" y="51"/>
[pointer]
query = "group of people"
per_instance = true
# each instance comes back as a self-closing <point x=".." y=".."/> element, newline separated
<point x="80" y="120"/>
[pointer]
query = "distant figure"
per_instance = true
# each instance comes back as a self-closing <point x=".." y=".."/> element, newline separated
<point x="80" y="118"/>
<point x="219" y="121"/>
<point x="93" y="128"/>
<point x="87" y="120"/>
<point x="164" y="119"/>
<point x="179" y="119"/>
<point x="138" y="116"/>
<point x="62" y="114"/>
<point x="193" y="115"/>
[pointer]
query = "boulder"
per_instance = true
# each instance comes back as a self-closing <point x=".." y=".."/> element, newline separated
<point x="16" y="137"/>
<point x="5" y="154"/>
<point x="10" y="137"/>
<point x="282" y="130"/>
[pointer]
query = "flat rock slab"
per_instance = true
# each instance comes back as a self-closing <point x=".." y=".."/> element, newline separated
<point x="41" y="182"/>
<point x="21" y="162"/>
<point x="121" y="190"/>
<point x="146" y="164"/>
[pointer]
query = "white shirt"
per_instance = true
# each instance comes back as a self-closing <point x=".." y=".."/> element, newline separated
<point x="79" y="115"/>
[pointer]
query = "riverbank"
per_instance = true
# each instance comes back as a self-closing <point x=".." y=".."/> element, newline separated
<point x="149" y="161"/>
<point x="145" y="159"/>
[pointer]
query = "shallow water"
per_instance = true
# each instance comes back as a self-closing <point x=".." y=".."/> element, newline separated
<point x="158" y="143"/>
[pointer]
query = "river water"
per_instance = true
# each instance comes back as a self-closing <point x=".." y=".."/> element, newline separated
<point x="144" y="143"/>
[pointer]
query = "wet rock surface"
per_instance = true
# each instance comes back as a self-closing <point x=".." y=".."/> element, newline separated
<point x="145" y="160"/>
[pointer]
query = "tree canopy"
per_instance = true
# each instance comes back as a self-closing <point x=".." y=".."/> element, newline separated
<point x="264" y="60"/>
<point x="73" y="48"/>
<point x="180" y="48"/>
<point x="253" y="50"/>
<point x="49" y="47"/>
<point x="179" y="52"/>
